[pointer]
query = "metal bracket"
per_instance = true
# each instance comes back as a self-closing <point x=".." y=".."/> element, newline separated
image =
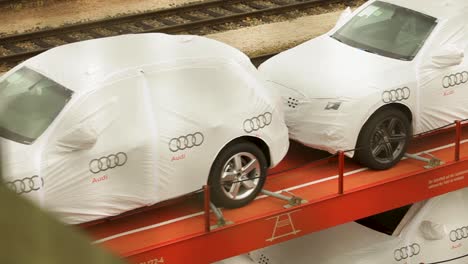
<point x="219" y="215"/>
<point x="431" y="163"/>
<point x="292" y="200"/>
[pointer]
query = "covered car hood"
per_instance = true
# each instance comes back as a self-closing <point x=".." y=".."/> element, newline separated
<point x="325" y="68"/>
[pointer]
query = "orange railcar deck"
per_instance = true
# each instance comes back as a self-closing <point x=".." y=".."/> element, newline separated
<point x="177" y="233"/>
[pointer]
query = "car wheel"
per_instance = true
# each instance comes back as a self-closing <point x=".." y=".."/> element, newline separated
<point x="237" y="175"/>
<point x="383" y="139"/>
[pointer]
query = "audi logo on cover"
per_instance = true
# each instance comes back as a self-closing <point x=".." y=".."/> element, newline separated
<point x="258" y="122"/>
<point x="459" y="234"/>
<point x="107" y="162"/>
<point x="26" y="185"/>
<point x="186" y="142"/>
<point x="406" y="252"/>
<point x="396" y="95"/>
<point x="455" y="79"/>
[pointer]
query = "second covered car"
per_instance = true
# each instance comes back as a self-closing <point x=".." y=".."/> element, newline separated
<point x="392" y="69"/>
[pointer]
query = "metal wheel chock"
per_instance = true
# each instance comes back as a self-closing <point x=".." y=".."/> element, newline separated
<point x="292" y="200"/>
<point x="430" y="162"/>
<point x="219" y="216"/>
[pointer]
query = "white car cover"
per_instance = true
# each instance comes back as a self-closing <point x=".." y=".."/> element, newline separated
<point x="330" y="89"/>
<point x="434" y="231"/>
<point x="148" y="116"/>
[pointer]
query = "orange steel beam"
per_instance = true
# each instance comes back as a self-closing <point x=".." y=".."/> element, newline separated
<point x="330" y="211"/>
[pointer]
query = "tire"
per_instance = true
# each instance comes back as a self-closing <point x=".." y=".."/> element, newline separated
<point x="383" y="139"/>
<point x="223" y="189"/>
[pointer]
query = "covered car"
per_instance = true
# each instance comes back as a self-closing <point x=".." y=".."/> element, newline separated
<point x="96" y="128"/>
<point x="427" y="232"/>
<point x="389" y="70"/>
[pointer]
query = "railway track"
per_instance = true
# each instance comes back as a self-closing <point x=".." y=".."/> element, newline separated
<point x="190" y="19"/>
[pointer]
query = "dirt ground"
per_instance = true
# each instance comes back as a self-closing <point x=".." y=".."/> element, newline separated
<point x="275" y="37"/>
<point x="42" y="14"/>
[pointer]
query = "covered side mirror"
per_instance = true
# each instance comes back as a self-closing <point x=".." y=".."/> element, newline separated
<point x="432" y="231"/>
<point x="447" y="56"/>
<point x="81" y="137"/>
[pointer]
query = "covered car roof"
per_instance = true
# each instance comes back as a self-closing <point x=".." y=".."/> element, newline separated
<point x="80" y="64"/>
<point x="437" y="8"/>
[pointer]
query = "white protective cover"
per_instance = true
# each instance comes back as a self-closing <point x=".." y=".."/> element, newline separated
<point x="135" y="97"/>
<point x="434" y="231"/>
<point x="323" y="72"/>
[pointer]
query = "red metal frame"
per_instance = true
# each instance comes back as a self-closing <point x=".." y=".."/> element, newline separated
<point x="367" y="193"/>
<point x="458" y="128"/>
<point x="206" y="201"/>
<point x="340" y="171"/>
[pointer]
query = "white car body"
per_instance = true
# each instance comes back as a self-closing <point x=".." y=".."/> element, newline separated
<point x="432" y="231"/>
<point x="325" y="73"/>
<point x="124" y="139"/>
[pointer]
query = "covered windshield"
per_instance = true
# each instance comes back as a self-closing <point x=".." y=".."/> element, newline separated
<point x="387" y="30"/>
<point x="29" y="102"/>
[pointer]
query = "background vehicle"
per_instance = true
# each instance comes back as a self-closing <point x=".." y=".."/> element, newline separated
<point x="100" y="127"/>
<point x="392" y="69"/>
<point x="432" y="231"/>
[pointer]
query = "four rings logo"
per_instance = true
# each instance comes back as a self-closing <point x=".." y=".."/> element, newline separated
<point x="396" y="95"/>
<point x="26" y="185"/>
<point x="406" y="252"/>
<point x="107" y="162"/>
<point x="455" y="79"/>
<point x="257" y="122"/>
<point x="187" y="141"/>
<point x="459" y="234"/>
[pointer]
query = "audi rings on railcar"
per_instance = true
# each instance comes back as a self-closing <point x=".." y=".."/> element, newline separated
<point x="455" y="79"/>
<point x="396" y="95"/>
<point x="26" y="185"/>
<point x="186" y="142"/>
<point x="257" y="122"/>
<point x="406" y="252"/>
<point x="108" y="162"/>
<point x="459" y="234"/>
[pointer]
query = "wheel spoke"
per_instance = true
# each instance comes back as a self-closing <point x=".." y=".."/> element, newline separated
<point x="378" y="149"/>
<point x="397" y="138"/>
<point x="234" y="190"/>
<point x="228" y="176"/>
<point x="249" y="184"/>
<point x="250" y="166"/>
<point x="391" y="125"/>
<point x="379" y="134"/>
<point x="388" y="150"/>
<point x="237" y="162"/>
